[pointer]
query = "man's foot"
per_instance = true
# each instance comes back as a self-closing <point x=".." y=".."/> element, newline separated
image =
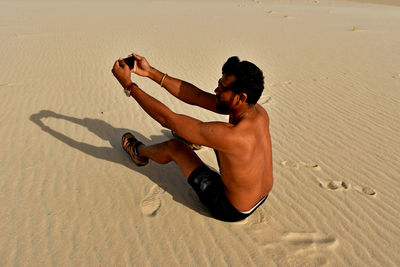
<point x="192" y="146"/>
<point x="129" y="144"/>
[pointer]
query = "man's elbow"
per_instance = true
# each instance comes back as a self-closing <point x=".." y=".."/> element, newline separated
<point x="163" y="121"/>
<point x="164" y="124"/>
<point x="168" y="121"/>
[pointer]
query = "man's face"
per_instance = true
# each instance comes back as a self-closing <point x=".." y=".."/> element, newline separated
<point x="224" y="94"/>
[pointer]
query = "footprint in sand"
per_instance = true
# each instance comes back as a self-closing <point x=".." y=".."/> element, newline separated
<point x="297" y="165"/>
<point x="365" y="190"/>
<point x="312" y="249"/>
<point x="290" y="164"/>
<point x="341" y="185"/>
<point x="397" y="76"/>
<point x="152" y="201"/>
<point x="304" y="241"/>
<point x="312" y="246"/>
<point x="313" y="166"/>
<point x="334" y="185"/>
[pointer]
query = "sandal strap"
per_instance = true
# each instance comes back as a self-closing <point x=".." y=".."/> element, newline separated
<point x="138" y="143"/>
<point x="135" y="143"/>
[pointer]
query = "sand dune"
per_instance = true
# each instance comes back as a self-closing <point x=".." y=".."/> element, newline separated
<point x="70" y="196"/>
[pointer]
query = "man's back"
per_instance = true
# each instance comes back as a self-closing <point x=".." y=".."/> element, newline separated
<point x="246" y="169"/>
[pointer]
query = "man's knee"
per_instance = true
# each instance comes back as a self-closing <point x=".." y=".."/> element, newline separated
<point x="169" y="151"/>
<point x="183" y="156"/>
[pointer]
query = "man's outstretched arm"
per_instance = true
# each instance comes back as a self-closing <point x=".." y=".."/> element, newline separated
<point x="217" y="135"/>
<point x="182" y="90"/>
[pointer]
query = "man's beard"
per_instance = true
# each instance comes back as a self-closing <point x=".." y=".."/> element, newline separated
<point x="222" y="107"/>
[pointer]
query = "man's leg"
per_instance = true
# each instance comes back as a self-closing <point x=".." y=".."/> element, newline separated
<point x="172" y="150"/>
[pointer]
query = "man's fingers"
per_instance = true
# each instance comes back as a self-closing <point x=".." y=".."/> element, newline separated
<point x="137" y="56"/>
<point x="116" y="64"/>
<point x="121" y="62"/>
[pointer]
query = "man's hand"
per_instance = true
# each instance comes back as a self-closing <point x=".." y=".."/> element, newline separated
<point x="122" y="72"/>
<point x="142" y="67"/>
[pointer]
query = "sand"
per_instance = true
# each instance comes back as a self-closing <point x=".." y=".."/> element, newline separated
<point x="70" y="196"/>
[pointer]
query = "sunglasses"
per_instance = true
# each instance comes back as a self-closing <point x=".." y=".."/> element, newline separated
<point x="223" y="88"/>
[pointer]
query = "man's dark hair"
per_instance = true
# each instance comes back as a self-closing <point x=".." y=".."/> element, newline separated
<point x="249" y="78"/>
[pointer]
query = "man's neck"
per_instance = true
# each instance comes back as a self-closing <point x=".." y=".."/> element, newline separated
<point x="236" y="115"/>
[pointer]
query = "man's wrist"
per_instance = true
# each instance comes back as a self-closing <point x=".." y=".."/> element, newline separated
<point x="127" y="84"/>
<point x="152" y="73"/>
<point x="128" y="89"/>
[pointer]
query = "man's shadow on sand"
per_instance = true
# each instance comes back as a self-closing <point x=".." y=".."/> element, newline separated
<point x="168" y="177"/>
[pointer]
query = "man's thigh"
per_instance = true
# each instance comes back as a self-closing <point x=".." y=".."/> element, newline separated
<point x="184" y="157"/>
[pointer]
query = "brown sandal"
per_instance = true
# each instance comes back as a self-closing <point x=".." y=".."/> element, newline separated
<point x="129" y="144"/>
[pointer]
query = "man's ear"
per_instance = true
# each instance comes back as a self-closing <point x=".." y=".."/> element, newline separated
<point x="239" y="99"/>
<point x="242" y="97"/>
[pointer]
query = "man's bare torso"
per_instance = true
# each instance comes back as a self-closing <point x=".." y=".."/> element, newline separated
<point x="246" y="169"/>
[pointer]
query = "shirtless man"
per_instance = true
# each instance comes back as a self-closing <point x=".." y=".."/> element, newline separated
<point x="242" y="145"/>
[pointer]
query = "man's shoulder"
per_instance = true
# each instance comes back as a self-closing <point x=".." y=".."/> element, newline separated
<point x="261" y="109"/>
<point x="260" y="117"/>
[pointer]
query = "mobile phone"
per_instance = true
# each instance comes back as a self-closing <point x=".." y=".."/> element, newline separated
<point x="130" y="61"/>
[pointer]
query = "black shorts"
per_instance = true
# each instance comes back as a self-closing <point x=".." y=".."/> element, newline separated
<point x="209" y="187"/>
